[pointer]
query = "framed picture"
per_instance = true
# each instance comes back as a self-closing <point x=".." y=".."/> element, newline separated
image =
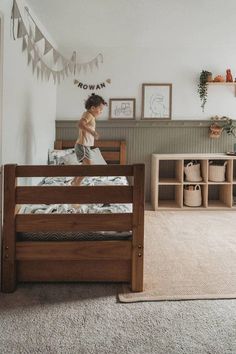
<point x="156" y="101"/>
<point x="122" y="108"/>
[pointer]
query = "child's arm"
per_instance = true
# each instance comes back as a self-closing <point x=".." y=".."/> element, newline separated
<point x="83" y="124"/>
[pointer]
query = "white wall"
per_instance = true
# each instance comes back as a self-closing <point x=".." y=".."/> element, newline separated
<point x="154" y="41"/>
<point x="29" y="105"/>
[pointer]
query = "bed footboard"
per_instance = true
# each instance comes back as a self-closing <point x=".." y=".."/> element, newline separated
<point x="113" y="261"/>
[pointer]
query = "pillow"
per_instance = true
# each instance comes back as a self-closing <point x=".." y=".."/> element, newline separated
<point x="69" y="159"/>
<point x="55" y="155"/>
<point x="97" y="158"/>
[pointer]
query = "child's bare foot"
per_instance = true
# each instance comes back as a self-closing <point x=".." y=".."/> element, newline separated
<point x="75" y="206"/>
<point x="75" y="182"/>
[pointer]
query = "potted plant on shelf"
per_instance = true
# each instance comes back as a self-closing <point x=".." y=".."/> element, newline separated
<point x="205" y="77"/>
<point x="226" y="124"/>
<point x="229" y="127"/>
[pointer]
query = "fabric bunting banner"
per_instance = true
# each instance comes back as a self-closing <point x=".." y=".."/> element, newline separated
<point x="39" y="56"/>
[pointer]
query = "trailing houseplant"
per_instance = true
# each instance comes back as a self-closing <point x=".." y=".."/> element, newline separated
<point x="205" y="77"/>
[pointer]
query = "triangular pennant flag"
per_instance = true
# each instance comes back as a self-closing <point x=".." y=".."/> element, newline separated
<point x="56" y="55"/>
<point x="31" y="36"/>
<point x="24" y="44"/>
<point x="54" y="74"/>
<point x="96" y="62"/>
<point x="73" y="58"/>
<point x="64" y="62"/>
<point x="71" y="67"/>
<point x="34" y="64"/>
<point x="108" y="81"/>
<point x="66" y="70"/>
<point x="58" y="77"/>
<point x="43" y="67"/>
<point x="91" y="65"/>
<point x="15" y="11"/>
<point x="84" y="67"/>
<point x="76" y="82"/>
<point x="30" y="46"/>
<point x="29" y="58"/>
<point x="48" y="73"/>
<point x="101" y="57"/>
<point x="21" y="30"/>
<point x="78" y="67"/>
<point x="36" y="57"/>
<point x="47" y="47"/>
<point x="38" y="34"/>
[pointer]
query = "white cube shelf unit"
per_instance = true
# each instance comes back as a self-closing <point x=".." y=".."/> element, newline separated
<point x="168" y="181"/>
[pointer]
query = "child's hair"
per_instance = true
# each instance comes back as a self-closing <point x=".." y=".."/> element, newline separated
<point x="94" y="101"/>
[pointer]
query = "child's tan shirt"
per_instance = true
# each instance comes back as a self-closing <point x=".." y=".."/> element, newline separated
<point x="85" y="138"/>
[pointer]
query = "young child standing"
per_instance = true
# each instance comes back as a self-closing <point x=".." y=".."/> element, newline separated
<point x="87" y="131"/>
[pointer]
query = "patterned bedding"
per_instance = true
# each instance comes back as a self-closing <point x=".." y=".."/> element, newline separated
<point x="83" y="208"/>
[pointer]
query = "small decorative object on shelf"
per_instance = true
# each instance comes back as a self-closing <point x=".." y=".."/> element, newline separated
<point x="205" y="76"/>
<point x="219" y="78"/>
<point x="229" y="77"/>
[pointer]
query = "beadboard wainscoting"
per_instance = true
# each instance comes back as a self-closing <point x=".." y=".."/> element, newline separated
<point x="144" y="138"/>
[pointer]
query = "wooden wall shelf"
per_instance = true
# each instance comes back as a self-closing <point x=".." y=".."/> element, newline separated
<point x="224" y="84"/>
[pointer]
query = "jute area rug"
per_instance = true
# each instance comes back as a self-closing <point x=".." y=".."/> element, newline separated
<point x="188" y="255"/>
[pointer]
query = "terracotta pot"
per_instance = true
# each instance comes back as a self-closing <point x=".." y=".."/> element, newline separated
<point x="219" y="78"/>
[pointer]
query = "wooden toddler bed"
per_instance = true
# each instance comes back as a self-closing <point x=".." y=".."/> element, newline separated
<point x="52" y="261"/>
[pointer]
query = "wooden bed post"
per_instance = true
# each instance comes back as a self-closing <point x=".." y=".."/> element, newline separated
<point x="9" y="234"/>
<point x="58" y="144"/>
<point x="123" y="152"/>
<point x="138" y="228"/>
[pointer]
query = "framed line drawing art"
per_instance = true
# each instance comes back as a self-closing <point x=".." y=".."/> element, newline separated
<point x="156" y="101"/>
<point x="122" y="108"/>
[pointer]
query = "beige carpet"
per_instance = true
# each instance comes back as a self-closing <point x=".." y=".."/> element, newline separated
<point x="188" y="255"/>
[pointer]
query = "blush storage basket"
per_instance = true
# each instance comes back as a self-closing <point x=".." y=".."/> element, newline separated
<point x="192" y="172"/>
<point x="193" y="197"/>
<point x="217" y="172"/>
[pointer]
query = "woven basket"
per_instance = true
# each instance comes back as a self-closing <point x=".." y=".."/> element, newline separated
<point x="193" y="198"/>
<point x="192" y="172"/>
<point x="217" y="173"/>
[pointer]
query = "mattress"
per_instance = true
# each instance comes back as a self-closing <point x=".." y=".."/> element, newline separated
<point x="82" y="209"/>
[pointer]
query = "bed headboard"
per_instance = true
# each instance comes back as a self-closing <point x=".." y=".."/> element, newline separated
<point x="113" y="151"/>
